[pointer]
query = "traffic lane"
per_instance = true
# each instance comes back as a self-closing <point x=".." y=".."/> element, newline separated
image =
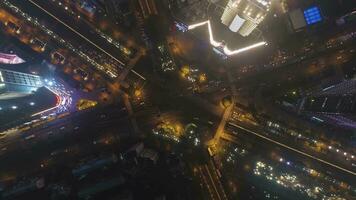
<point x="77" y="25"/>
<point x="29" y="154"/>
<point x="65" y="43"/>
<point x="265" y="148"/>
<point x="40" y="159"/>
<point x="114" y="30"/>
<point x="281" y="74"/>
<point x="272" y="155"/>
<point x="110" y="63"/>
<point x="73" y="122"/>
<point x="100" y="43"/>
<point x="300" y="145"/>
<point x="212" y="170"/>
<point x="209" y="185"/>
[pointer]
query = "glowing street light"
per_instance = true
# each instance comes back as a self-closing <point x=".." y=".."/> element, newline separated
<point x="138" y="93"/>
<point x="13" y="107"/>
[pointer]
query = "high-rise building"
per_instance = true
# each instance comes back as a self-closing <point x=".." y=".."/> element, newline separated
<point x="243" y="16"/>
<point x="17" y="84"/>
<point x="335" y="104"/>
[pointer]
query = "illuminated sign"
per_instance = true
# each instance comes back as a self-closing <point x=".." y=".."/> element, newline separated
<point x="221" y="45"/>
<point x="312" y="15"/>
<point x="10" y="59"/>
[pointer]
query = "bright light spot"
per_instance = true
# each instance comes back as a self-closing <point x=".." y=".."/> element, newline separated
<point x="227" y="51"/>
<point x="337" y="150"/>
<point x="14" y="107"/>
<point x="345" y="153"/>
<point x="330" y="147"/>
<point x="32" y="103"/>
<point x="288" y="163"/>
<point x="281" y="160"/>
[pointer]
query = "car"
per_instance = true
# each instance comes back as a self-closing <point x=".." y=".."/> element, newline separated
<point x="38" y="43"/>
<point x="82" y="73"/>
<point x="13" y="27"/>
<point x="59" y="58"/>
<point x="30" y="137"/>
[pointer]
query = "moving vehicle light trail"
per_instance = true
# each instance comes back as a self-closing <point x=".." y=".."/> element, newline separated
<point x="227" y="51"/>
<point x="64" y="99"/>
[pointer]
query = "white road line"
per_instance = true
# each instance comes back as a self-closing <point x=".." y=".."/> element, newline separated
<point x="206" y="183"/>
<point x="295" y="150"/>
<point x="82" y="36"/>
<point x="212" y="181"/>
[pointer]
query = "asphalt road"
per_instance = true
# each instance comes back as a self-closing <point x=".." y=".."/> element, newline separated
<point x="74" y="30"/>
<point x="23" y="156"/>
<point x="262" y="143"/>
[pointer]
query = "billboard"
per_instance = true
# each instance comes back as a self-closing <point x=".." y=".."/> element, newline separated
<point x="10" y="59"/>
<point x="312" y="15"/>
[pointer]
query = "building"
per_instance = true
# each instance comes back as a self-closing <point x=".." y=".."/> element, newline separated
<point x="10" y="59"/>
<point x="334" y="105"/>
<point x="299" y="19"/>
<point x="17" y="84"/>
<point x="243" y="16"/>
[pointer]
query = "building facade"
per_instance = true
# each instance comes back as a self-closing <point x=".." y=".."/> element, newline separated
<point x="17" y="84"/>
<point x="243" y="16"/>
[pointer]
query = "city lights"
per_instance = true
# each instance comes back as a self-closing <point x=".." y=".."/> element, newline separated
<point x="253" y="110"/>
<point x="226" y="50"/>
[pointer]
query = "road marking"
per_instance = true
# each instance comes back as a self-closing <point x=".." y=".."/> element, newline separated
<point x="212" y="181"/>
<point x="82" y="36"/>
<point x="206" y="183"/>
<point x="295" y="150"/>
